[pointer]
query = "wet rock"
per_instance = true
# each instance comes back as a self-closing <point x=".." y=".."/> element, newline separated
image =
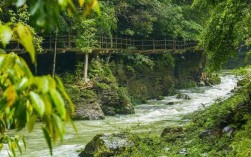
<point x="201" y="83"/>
<point x="203" y="105"/>
<point x="213" y="80"/>
<point x="170" y="103"/>
<point x="88" y="111"/>
<point x="210" y="132"/>
<point x="169" y="130"/>
<point x="160" y="98"/>
<point x="243" y="82"/>
<point x="183" y="96"/>
<point x="183" y="151"/>
<point x="234" y="90"/>
<point x="207" y="83"/>
<point x="108" y="110"/>
<point x="107" y="145"/>
<point x="228" y="130"/>
<point x="172" y="133"/>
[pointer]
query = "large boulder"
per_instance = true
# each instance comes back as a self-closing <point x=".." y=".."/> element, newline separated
<point x="115" y="101"/>
<point x="87" y="105"/>
<point x="88" y="111"/>
<point x="107" y="145"/>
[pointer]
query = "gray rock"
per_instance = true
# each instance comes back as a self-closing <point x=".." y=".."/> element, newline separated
<point x="210" y="132"/>
<point x="201" y="83"/>
<point x="170" y="103"/>
<point x="88" y="111"/>
<point x="172" y="133"/>
<point x="113" y="103"/>
<point x="183" y="96"/>
<point x="107" y="145"/>
<point x="228" y="130"/>
<point x="171" y="130"/>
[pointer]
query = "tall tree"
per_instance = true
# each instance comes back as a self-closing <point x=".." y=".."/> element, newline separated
<point x="227" y="29"/>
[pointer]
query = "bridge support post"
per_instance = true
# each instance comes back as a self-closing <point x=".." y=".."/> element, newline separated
<point x="86" y="64"/>
<point x="165" y="44"/>
<point x="54" y="55"/>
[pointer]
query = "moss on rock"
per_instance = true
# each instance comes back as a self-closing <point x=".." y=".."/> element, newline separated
<point x="107" y="145"/>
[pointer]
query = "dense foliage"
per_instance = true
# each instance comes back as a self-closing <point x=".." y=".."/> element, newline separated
<point x="25" y="98"/>
<point x="227" y="29"/>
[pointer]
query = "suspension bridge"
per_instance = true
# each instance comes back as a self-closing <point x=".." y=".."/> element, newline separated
<point x="67" y="43"/>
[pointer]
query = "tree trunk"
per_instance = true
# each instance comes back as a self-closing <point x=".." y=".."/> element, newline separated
<point x="55" y="55"/>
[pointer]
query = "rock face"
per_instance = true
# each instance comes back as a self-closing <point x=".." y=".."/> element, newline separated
<point x="100" y="96"/>
<point x="170" y="71"/>
<point x="106" y="145"/>
<point x="114" y="99"/>
<point x="112" y="85"/>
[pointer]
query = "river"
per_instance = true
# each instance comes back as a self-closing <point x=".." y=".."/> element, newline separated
<point x="153" y="116"/>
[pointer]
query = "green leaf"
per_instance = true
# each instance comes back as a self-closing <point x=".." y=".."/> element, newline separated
<point x="63" y="3"/>
<point x="20" y="115"/>
<point x="24" y="83"/>
<point x="35" y="8"/>
<point x="8" y="61"/>
<point x="81" y="2"/>
<point x="5" y="34"/>
<point x="23" y="67"/>
<point x="59" y="103"/>
<point x="96" y="8"/>
<point x="48" y="139"/>
<point x="20" y="3"/>
<point x="72" y="123"/>
<point x="24" y="142"/>
<point x="43" y="84"/>
<point x="31" y="123"/>
<point x="59" y="125"/>
<point x="1" y="146"/>
<point x="11" y="95"/>
<point x="18" y="146"/>
<point x="37" y="103"/>
<point x="26" y="39"/>
<point x="64" y="93"/>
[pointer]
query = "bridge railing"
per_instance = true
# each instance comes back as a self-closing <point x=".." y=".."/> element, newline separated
<point x="67" y="42"/>
<point x="121" y="43"/>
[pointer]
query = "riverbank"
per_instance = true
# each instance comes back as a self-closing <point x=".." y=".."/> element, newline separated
<point x="161" y="115"/>
<point x="222" y="129"/>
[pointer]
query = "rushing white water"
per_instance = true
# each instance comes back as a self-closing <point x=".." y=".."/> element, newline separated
<point x="153" y="116"/>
